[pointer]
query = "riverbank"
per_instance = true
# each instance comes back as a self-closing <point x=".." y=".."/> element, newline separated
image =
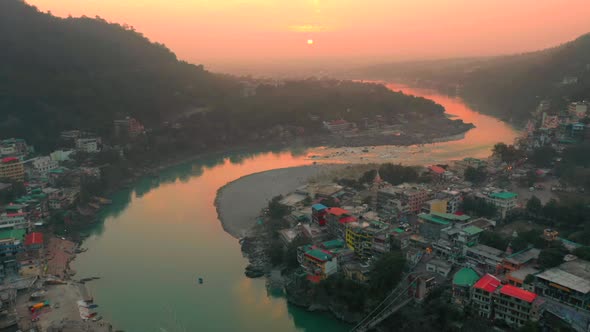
<point x="239" y="202"/>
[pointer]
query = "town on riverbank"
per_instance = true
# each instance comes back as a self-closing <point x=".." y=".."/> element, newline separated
<point x="495" y="243"/>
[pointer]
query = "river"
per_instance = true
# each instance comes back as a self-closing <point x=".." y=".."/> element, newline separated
<point x="160" y="236"/>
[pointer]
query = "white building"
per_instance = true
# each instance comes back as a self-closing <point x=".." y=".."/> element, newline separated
<point x="42" y="165"/>
<point x="14" y="220"/>
<point x="504" y="201"/>
<point x="578" y="109"/>
<point x="89" y="145"/>
<point x="61" y="155"/>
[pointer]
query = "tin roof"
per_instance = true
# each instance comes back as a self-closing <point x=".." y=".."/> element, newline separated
<point x="465" y="277"/>
<point x="488" y="283"/>
<point x="518" y="293"/>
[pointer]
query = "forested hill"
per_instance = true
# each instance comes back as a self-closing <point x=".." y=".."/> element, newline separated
<point x="507" y="86"/>
<point x="83" y="72"/>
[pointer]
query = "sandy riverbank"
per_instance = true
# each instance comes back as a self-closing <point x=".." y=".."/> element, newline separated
<point x="239" y="202"/>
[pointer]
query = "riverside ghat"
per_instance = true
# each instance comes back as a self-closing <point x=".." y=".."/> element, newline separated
<point x="161" y="235"/>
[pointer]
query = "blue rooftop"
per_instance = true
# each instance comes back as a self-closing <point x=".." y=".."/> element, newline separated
<point x="319" y="207"/>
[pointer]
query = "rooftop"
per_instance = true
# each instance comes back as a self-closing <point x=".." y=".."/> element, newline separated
<point x="488" y="283"/>
<point x="521" y="274"/>
<point x="472" y="230"/>
<point x="9" y="159"/>
<point x="442" y="218"/>
<point x="523" y="256"/>
<point x="573" y="275"/>
<point x="504" y="195"/>
<point x="337" y="243"/>
<point x="437" y="169"/>
<point x="318" y="254"/>
<point x="337" y="211"/>
<point x="17" y="234"/>
<point x="319" y="207"/>
<point x="34" y="238"/>
<point x="518" y="293"/>
<point x="465" y="277"/>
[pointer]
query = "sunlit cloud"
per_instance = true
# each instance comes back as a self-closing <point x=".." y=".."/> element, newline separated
<point x="308" y="28"/>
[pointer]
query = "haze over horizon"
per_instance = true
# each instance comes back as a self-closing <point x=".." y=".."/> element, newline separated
<point x="253" y="35"/>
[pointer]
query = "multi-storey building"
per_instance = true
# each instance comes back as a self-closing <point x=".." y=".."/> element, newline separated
<point x="504" y="201"/>
<point x="431" y="224"/>
<point x="367" y="238"/>
<point x="453" y="198"/>
<point x="316" y="261"/>
<point x="515" y="306"/>
<point x="482" y="295"/>
<point x="568" y="283"/>
<point x="13" y="147"/>
<point x="89" y="145"/>
<point x="415" y="198"/>
<point x="12" y="168"/>
<point x="42" y="165"/>
<point x="337" y="220"/>
<point x="484" y="258"/>
<point x="318" y="214"/>
<point x="578" y="109"/>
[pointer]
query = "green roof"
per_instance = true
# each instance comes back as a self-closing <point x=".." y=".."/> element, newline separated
<point x="504" y="195"/>
<point x="18" y="234"/>
<point x="338" y="243"/>
<point x="465" y="277"/>
<point x="318" y="254"/>
<point x="472" y="230"/>
<point x="434" y="219"/>
<point x="14" y="207"/>
<point x="451" y="216"/>
<point x="398" y="230"/>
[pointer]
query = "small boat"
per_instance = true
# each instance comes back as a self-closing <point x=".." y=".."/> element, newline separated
<point x="200" y="280"/>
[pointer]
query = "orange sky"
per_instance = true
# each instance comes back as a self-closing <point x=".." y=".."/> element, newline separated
<point x="215" y="32"/>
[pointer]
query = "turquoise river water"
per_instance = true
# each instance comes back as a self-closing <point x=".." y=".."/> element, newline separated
<point x="160" y="236"/>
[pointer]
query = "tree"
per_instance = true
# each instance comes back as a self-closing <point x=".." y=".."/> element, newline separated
<point x="368" y="177"/>
<point x="543" y="156"/>
<point x="478" y="207"/>
<point x="386" y="272"/>
<point x="552" y="256"/>
<point x="276" y="210"/>
<point x="494" y="240"/>
<point x="475" y="175"/>
<point x="507" y="153"/>
<point x="583" y="252"/>
<point x="398" y="174"/>
<point x="534" y="206"/>
<point x="290" y="258"/>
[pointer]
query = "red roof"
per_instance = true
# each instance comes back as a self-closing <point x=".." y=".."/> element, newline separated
<point x="518" y="293"/>
<point x="346" y="220"/>
<point x="9" y="159"/>
<point x="33" y="238"/>
<point x="337" y="211"/>
<point x="314" y="279"/>
<point x="437" y="169"/>
<point x="488" y="283"/>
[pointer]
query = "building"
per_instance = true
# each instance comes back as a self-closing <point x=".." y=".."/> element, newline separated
<point x="368" y="238"/>
<point x="578" y="110"/>
<point x="435" y="205"/>
<point x="13" y="147"/>
<point x="14" y="218"/>
<point x="484" y="258"/>
<point x="316" y="261"/>
<point x="568" y="283"/>
<point x="70" y="135"/>
<point x="34" y="241"/>
<point x="504" y="201"/>
<point x="431" y="224"/>
<point x="439" y="267"/>
<point x="415" y="198"/>
<point x="519" y="259"/>
<point x="42" y="165"/>
<point x="318" y="214"/>
<point x="88" y="145"/>
<point x="463" y="280"/>
<point x="11" y="244"/>
<point x="12" y="168"/>
<point x="517" y="278"/>
<point x="482" y="295"/>
<point x="515" y="306"/>
<point x="337" y="220"/>
<point x="61" y="155"/>
<point x="453" y="198"/>
<point x="129" y="127"/>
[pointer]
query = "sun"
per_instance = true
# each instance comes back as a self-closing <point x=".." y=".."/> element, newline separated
<point x="310" y="42"/>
